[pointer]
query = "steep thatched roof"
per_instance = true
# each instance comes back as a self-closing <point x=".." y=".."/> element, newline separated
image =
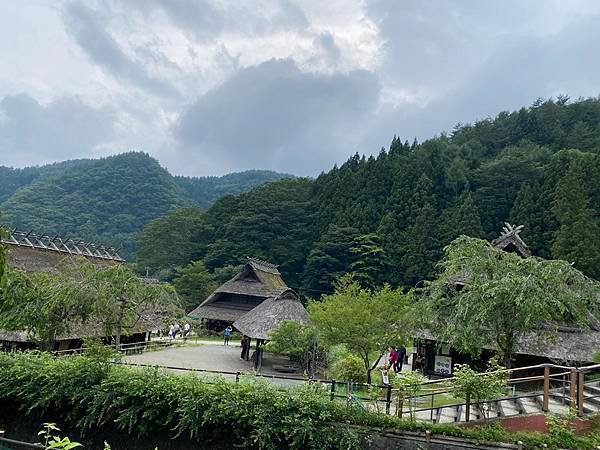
<point x="266" y="317"/>
<point x="257" y="279"/>
<point x="510" y="241"/>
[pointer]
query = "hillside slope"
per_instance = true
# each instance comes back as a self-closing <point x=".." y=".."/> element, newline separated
<point x="387" y="218"/>
<point x="204" y="191"/>
<point x="108" y="200"/>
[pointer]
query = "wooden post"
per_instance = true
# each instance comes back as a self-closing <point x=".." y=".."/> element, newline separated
<point x="580" y="385"/>
<point x="388" y="399"/>
<point x="546" y="389"/>
<point x="573" y="388"/>
<point x="468" y="408"/>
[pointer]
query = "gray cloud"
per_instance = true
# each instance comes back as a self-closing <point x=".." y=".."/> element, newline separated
<point x="206" y="19"/>
<point x="430" y="65"/>
<point x="89" y="30"/>
<point x="518" y="71"/>
<point x="276" y="116"/>
<point x="31" y="133"/>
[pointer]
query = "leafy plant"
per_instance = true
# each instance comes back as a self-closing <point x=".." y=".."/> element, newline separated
<point x="52" y="441"/>
<point x="477" y="387"/>
<point x="350" y="368"/>
<point x="409" y="385"/>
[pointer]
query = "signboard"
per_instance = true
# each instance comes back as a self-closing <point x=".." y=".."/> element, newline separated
<point x="442" y="365"/>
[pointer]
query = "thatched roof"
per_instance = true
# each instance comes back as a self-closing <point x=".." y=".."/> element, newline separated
<point x="58" y="244"/>
<point x="257" y="279"/>
<point x="570" y="345"/>
<point x="270" y="314"/>
<point x="40" y="253"/>
<point x="150" y="320"/>
<point x="510" y="241"/>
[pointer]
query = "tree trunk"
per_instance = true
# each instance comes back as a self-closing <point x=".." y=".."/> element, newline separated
<point x="119" y="329"/>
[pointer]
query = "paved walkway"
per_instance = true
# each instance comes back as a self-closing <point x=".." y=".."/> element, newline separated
<point x="209" y="355"/>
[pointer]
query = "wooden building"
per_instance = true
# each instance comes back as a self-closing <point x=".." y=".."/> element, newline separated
<point x="257" y="281"/>
<point x="32" y="252"/>
<point x="572" y="346"/>
<point x="255" y="302"/>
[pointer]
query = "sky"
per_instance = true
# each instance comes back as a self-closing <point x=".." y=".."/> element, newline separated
<point x="210" y="87"/>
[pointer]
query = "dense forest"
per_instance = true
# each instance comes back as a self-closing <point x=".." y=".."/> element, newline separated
<point x="386" y="218"/>
<point x="108" y="200"/>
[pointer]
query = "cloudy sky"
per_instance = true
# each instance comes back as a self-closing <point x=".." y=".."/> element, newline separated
<point x="214" y="86"/>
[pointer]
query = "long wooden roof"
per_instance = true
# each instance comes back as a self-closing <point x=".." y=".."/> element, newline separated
<point x="61" y="245"/>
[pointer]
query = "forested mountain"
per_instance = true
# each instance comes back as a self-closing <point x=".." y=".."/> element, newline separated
<point x="106" y="200"/>
<point x="206" y="190"/>
<point x="387" y="218"/>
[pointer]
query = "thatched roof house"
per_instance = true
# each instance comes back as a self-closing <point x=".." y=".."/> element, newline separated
<point x="257" y="281"/>
<point x="32" y="252"/>
<point x="271" y="313"/>
<point x="572" y="345"/>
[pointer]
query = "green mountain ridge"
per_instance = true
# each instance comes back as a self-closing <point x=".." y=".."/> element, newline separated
<point x="386" y="218"/>
<point x="107" y="200"/>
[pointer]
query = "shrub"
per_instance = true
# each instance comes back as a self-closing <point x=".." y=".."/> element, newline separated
<point x="88" y="394"/>
<point x="349" y="368"/>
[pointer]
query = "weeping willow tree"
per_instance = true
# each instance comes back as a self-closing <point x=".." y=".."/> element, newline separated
<point x="503" y="297"/>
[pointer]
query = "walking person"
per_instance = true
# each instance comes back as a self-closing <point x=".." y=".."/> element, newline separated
<point x="227" y="335"/>
<point x="245" y="348"/>
<point x="400" y="361"/>
<point x="186" y="330"/>
<point x="392" y="358"/>
<point x="171" y="331"/>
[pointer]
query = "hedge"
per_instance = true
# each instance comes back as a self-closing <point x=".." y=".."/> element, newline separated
<point x="89" y="393"/>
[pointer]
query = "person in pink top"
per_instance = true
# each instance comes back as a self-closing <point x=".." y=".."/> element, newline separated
<point x="392" y="357"/>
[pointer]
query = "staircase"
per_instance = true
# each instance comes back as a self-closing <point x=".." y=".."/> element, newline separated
<point x="519" y="404"/>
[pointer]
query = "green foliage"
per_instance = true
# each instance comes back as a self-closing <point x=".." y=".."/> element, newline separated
<point x="52" y="441"/>
<point x="409" y="385"/>
<point x="107" y="201"/>
<point x="365" y="321"/>
<point x="109" y="300"/>
<point x="110" y="200"/>
<point x="88" y="396"/>
<point x="349" y="368"/>
<point x="477" y="387"/>
<point x="505" y="297"/>
<point x="299" y="342"/>
<point x="578" y="236"/>
<point x="194" y="283"/>
<point x="207" y="190"/>
<point x="172" y="241"/>
<point x="252" y="414"/>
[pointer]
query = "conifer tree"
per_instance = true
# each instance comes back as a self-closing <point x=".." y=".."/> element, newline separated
<point x="578" y="238"/>
<point x="371" y="262"/>
<point x="527" y="210"/>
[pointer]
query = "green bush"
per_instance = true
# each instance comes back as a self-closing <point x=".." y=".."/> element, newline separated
<point x="89" y="393"/>
<point x="349" y="368"/>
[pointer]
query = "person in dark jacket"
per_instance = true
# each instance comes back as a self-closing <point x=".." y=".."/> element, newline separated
<point x="401" y="354"/>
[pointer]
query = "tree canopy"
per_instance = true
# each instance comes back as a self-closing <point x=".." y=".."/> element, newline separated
<point x="82" y="299"/>
<point x="411" y="200"/>
<point x="366" y="321"/>
<point x="502" y="297"/>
